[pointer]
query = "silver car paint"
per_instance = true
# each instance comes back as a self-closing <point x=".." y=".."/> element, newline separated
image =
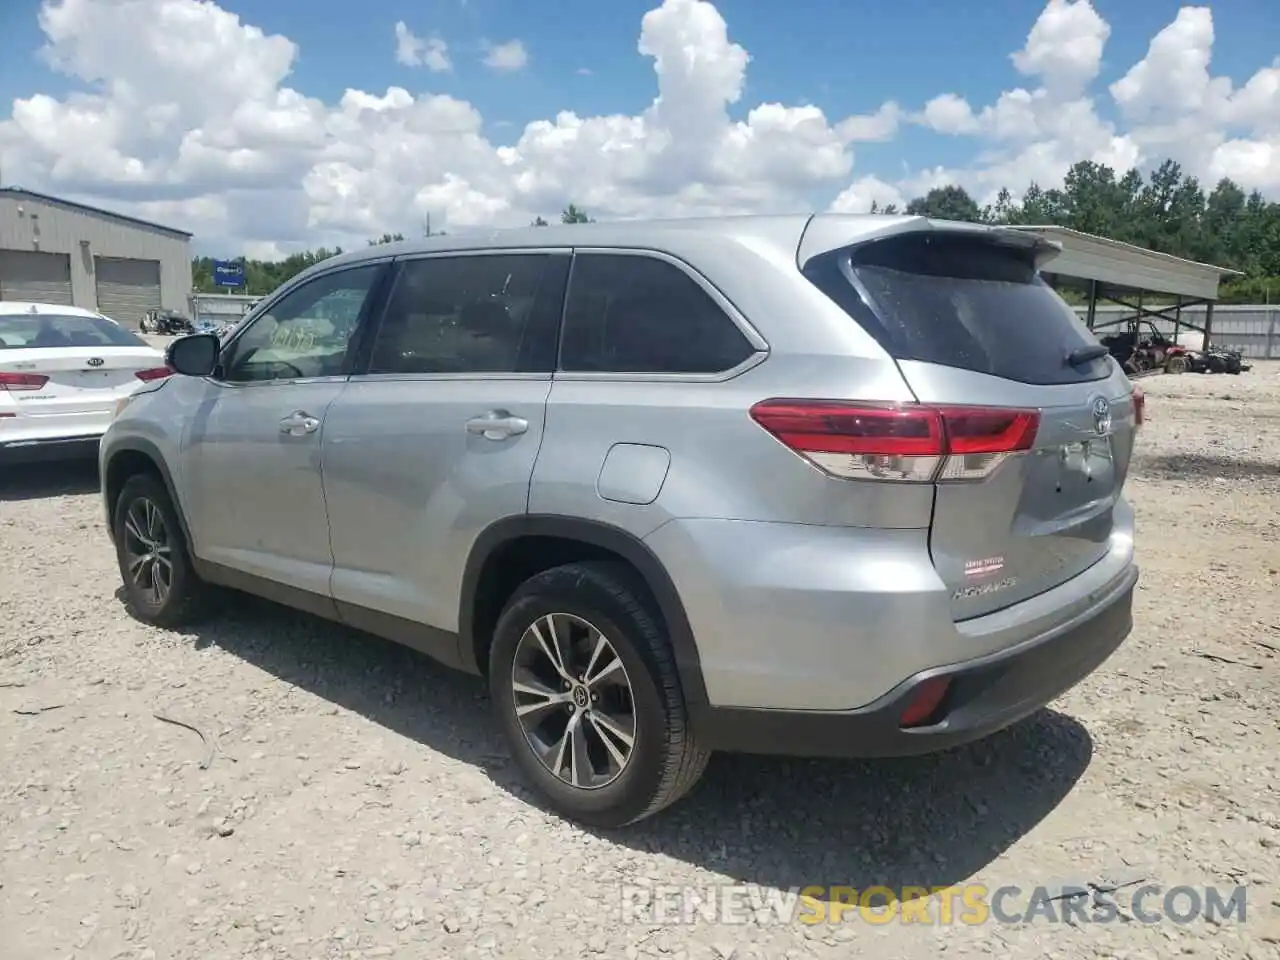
<point x="804" y="592"/>
<point x="409" y="489"/>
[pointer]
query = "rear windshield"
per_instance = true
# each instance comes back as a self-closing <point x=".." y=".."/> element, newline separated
<point x="54" y="330"/>
<point x="960" y="302"/>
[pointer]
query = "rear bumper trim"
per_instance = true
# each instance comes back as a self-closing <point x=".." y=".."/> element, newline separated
<point x="987" y="694"/>
<point x="34" y="449"/>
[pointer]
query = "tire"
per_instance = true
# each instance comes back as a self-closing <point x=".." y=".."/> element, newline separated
<point x="145" y="497"/>
<point x="664" y="762"/>
<point x="1176" y="364"/>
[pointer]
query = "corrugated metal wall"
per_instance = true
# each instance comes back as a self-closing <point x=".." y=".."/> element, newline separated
<point x="1253" y="329"/>
<point x="127" y="289"/>
<point x="34" y="276"/>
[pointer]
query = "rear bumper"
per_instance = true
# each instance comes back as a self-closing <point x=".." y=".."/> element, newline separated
<point x="987" y="694"/>
<point x="41" y="450"/>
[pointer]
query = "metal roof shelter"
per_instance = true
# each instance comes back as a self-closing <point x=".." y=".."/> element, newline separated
<point x="1122" y="273"/>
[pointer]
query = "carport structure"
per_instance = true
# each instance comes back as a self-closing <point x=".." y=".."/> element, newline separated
<point x="1122" y="273"/>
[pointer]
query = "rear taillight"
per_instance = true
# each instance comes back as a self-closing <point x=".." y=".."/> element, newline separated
<point x="1139" y="407"/>
<point x="155" y="373"/>
<point x="14" y="382"/>
<point x="912" y="443"/>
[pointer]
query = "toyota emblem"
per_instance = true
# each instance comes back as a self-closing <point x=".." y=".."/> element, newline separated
<point x="95" y="361"/>
<point x="1101" y="417"/>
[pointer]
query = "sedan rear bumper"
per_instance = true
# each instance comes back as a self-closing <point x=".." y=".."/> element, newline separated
<point x="45" y="449"/>
<point x="986" y="694"/>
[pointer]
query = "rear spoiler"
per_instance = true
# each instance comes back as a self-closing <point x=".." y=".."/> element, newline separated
<point x="826" y="232"/>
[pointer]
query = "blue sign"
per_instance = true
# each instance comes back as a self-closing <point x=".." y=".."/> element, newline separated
<point x="228" y="273"/>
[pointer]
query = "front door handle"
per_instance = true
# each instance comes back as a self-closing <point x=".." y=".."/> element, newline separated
<point x="299" y="423"/>
<point x="497" y="425"/>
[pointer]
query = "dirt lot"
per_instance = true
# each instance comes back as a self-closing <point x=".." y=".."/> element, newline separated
<point x="358" y="804"/>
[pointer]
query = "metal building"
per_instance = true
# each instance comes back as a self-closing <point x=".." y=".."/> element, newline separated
<point x="1121" y="273"/>
<point x="56" y="251"/>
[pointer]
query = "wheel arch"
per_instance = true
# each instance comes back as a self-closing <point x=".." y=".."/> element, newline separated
<point x="498" y="558"/>
<point x="128" y="458"/>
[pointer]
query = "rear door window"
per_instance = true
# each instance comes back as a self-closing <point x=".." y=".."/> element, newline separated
<point x="477" y="314"/>
<point x="631" y="313"/>
<point x="960" y="301"/>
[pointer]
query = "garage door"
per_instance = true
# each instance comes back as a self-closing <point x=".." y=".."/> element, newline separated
<point x="127" y="289"/>
<point x="37" y="277"/>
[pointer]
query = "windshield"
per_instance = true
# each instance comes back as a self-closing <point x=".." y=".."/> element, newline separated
<point x="46" y="330"/>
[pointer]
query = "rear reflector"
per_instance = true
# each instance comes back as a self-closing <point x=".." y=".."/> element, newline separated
<point x="899" y="442"/>
<point x="924" y="705"/>
<point x="155" y="373"/>
<point x="1139" y="407"/>
<point x="14" y="382"/>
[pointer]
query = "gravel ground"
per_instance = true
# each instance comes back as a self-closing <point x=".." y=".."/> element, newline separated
<point x="357" y="803"/>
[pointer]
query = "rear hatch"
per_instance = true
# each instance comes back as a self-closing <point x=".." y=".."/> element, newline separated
<point x="971" y="324"/>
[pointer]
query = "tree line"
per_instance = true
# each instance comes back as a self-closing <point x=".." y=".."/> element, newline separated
<point x="1169" y="212"/>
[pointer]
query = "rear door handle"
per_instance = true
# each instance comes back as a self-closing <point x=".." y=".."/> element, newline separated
<point x="497" y="425"/>
<point x="299" y="423"/>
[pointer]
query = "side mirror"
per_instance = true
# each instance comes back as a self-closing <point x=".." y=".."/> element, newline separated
<point x="195" y="355"/>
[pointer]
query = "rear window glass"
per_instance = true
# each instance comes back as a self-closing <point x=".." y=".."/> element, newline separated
<point x="55" y="330"/>
<point x="631" y="313"/>
<point x="960" y="302"/>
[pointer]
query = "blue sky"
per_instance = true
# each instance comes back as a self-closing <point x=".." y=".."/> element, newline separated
<point x="238" y="159"/>
<point x="846" y="57"/>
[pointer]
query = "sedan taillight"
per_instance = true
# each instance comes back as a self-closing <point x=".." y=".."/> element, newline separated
<point x="13" y="382"/>
<point x="155" y="373"/>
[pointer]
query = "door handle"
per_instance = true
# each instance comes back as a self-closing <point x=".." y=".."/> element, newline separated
<point x="299" y="423"/>
<point x="497" y="425"/>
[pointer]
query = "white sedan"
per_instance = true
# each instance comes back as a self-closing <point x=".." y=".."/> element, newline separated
<point x="62" y="372"/>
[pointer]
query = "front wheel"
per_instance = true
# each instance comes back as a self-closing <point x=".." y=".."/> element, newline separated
<point x="586" y="692"/>
<point x="160" y="583"/>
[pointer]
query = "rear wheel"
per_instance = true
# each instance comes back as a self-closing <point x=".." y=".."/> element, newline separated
<point x="586" y="692"/>
<point x="155" y="565"/>
<point x="1176" y="364"/>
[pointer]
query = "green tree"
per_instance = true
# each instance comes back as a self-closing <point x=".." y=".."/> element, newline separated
<point x="946" y="203"/>
<point x="1167" y="211"/>
<point x="539" y="222"/>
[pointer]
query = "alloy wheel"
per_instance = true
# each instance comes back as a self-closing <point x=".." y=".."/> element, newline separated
<point x="148" y="550"/>
<point x="573" y="700"/>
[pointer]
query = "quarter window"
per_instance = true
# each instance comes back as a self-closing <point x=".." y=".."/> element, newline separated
<point x="631" y="313"/>
<point x="307" y="333"/>
<point x="485" y="313"/>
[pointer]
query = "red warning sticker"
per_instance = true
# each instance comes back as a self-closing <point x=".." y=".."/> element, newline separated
<point x="984" y="567"/>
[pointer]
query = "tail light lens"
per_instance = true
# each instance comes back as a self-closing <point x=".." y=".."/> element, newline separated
<point x="1139" y="407"/>
<point x="155" y="373"/>
<point x="912" y="443"/>
<point x="924" y="706"/>
<point x="14" y="382"/>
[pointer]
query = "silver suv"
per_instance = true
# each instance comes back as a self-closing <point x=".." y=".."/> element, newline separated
<point x="812" y="485"/>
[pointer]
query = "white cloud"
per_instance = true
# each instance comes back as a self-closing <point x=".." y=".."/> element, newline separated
<point x="1064" y="48"/>
<point x="865" y="191"/>
<point x="415" y="51"/>
<point x="949" y="113"/>
<point x="184" y="110"/>
<point x="506" y="57"/>
<point x="1172" y="105"/>
<point x="183" y="113"/>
